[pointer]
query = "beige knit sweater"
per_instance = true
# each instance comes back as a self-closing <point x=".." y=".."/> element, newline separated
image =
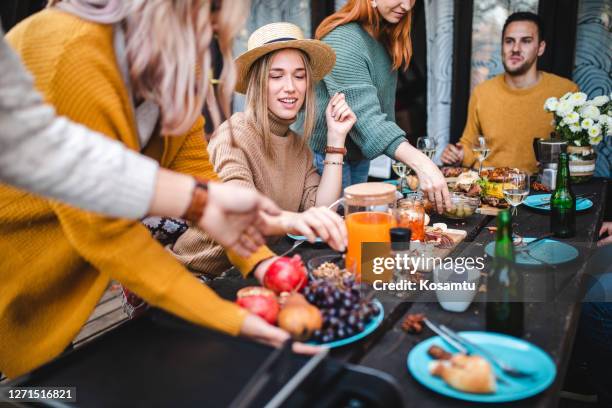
<point x="287" y="176"/>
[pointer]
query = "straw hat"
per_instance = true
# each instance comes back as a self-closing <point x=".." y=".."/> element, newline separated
<point x="276" y="36"/>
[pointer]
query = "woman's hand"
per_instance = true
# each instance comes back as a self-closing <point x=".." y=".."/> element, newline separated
<point x="431" y="180"/>
<point x="318" y="222"/>
<point x="340" y="119"/>
<point x="315" y="222"/>
<point x="256" y="328"/>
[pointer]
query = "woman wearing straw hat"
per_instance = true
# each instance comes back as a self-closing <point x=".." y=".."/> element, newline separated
<point x="277" y="73"/>
<point x="372" y="41"/>
<point x="93" y="60"/>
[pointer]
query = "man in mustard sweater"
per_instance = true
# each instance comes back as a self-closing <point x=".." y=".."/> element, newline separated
<point x="508" y="110"/>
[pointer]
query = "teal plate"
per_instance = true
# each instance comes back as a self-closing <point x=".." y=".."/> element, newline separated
<point x="303" y="238"/>
<point x="516" y="352"/>
<point x="544" y="252"/>
<point x="368" y="329"/>
<point x="395" y="181"/>
<point x="537" y="202"/>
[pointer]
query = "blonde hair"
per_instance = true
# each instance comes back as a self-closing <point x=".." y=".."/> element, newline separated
<point x="168" y="52"/>
<point x="395" y="37"/>
<point x="257" y="110"/>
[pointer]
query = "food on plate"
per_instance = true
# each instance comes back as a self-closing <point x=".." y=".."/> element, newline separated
<point x="331" y="271"/>
<point x="344" y="312"/>
<point x="438" y="237"/>
<point x="286" y="275"/>
<point x="438" y="353"/>
<point x="462" y="206"/>
<point x="259" y="301"/>
<point x="468" y="183"/>
<point x="299" y="318"/>
<point x="427" y="206"/>
<point x="471" y="374"/>
<point x="413" y="182"/>
<point x="413" y="323"/>
<point x="448" y="171"/>
<point x="498" y="174"/>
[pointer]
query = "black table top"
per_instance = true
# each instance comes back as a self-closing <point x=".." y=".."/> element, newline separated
<point x="550" y="322"/>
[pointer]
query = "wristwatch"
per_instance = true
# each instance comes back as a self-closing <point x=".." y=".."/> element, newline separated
<point x="332" y="149"/>
<point x="199" y="198"/>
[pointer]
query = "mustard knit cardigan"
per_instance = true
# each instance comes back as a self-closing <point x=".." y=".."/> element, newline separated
<point x="56" y="261"/>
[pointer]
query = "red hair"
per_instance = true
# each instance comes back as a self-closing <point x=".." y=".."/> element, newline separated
<point x="395" y="37"/>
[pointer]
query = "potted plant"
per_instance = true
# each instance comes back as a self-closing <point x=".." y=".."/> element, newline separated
<point x="583" y="124"/>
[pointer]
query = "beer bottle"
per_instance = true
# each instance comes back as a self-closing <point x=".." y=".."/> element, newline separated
<point x="504" y="309"/>
<point x="563" y="202"/>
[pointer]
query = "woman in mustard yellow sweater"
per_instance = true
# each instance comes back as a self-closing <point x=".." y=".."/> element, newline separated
<point x="57" y="260"/>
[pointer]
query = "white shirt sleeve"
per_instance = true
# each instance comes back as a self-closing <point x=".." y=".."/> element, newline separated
<point x="54" y="157"/>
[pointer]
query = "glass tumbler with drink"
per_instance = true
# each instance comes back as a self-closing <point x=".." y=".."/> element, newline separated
<point x="369" y="218"/>
<point x="410" y="213"/>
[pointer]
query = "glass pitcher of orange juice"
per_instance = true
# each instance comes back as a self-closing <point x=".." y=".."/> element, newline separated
<point x="368" y="209"/>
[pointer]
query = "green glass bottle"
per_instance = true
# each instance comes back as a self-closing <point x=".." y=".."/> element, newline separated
<point x="504" y="309"/>
<point x="563" y="202"/>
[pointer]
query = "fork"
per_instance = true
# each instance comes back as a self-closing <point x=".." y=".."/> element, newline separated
<point x="505" y="367"/>
<point x="301" y="241"/>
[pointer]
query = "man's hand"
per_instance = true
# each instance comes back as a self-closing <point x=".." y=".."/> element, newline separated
<point x="452" y="154"/>
<point x="232" y="217"/>
<point x="606" y="228"/>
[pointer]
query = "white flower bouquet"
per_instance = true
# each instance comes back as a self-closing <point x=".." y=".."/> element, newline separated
<point x="579" y="121"/>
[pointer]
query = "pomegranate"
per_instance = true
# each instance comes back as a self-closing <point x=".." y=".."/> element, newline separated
<point x="286" y="275"/>
<point x="259" y="301"/>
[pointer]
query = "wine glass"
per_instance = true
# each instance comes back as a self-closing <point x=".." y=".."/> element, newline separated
<point x="427" y="146"/>
<point x="515" y="189"/>
<point x="402" y="171"/>
<point x="481" y="151"/>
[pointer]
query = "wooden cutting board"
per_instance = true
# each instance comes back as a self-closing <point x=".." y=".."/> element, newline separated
<point x="431" y="251"/>
<point x="485" y="209"/>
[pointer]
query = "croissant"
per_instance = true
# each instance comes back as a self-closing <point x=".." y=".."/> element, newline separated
<point x="466" y="373"/>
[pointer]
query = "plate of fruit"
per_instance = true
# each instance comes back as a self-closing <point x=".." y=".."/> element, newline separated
<point x="329" y="311"/>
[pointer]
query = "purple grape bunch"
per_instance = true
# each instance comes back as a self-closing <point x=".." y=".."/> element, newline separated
<point x="344" y="312"/>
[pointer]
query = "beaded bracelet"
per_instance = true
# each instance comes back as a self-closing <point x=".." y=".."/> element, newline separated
<point x="333" y="162"/>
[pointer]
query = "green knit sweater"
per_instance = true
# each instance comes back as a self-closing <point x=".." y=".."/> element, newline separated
<point x="364" y="73"/>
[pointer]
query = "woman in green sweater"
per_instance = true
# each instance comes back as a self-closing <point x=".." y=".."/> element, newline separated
<point x="372" y="41"/>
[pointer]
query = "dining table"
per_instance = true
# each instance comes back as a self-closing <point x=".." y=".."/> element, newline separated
<point x="552" y="307"/>
<point x="553" y="296"/>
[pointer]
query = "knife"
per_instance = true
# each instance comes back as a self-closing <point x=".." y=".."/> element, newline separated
<point x="526" y="246"/>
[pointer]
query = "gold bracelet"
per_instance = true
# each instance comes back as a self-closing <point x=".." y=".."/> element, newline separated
<point x="333" y="162"/>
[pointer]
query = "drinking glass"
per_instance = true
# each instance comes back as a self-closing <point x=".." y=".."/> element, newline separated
<point x="481" y="151"/>
<point x="516" y="188"/>
<point x="410" y="213"/>
<point x="402" y="171"/>
<point x="427" y="146"/>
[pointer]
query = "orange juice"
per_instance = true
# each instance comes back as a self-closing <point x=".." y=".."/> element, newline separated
<point x="365" y="227"/>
